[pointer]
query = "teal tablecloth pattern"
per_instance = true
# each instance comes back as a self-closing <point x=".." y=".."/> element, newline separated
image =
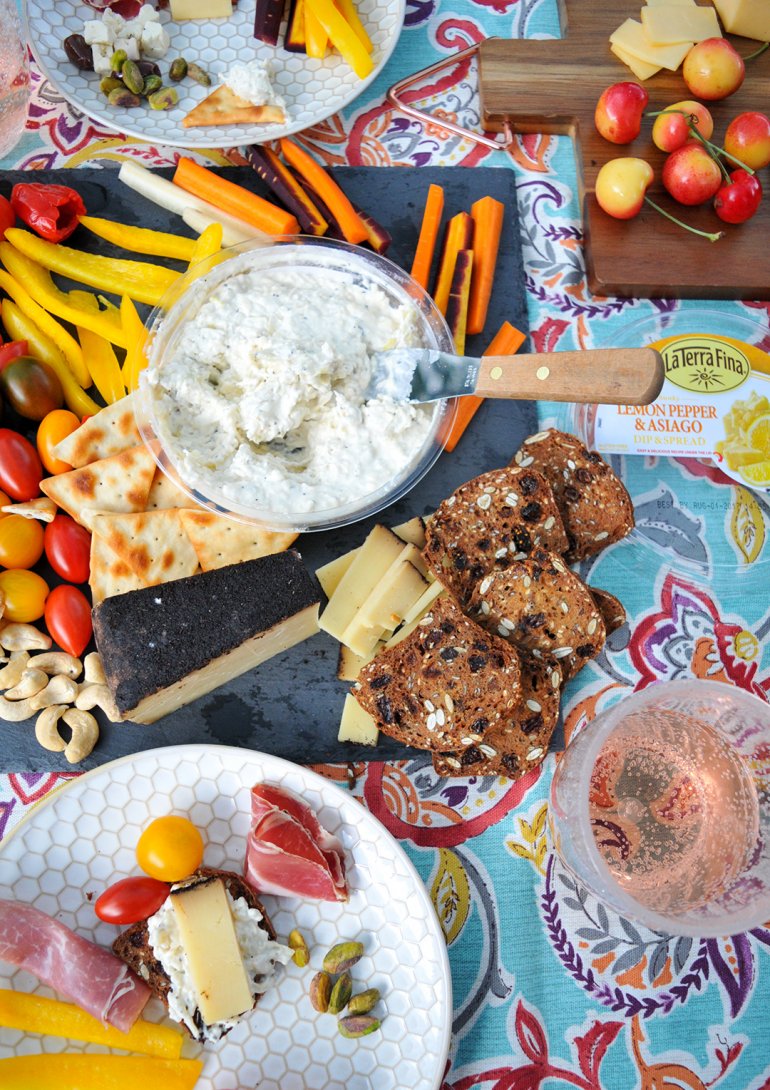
<point x="549" y="986"/>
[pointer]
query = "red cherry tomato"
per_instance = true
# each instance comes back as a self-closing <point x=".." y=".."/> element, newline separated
<point x="20" y="468"/>
<point x="68" y="618"/>
<point x="131" y="900"/>
<point x="68" y="548"/>
<point x="7" y="216"/>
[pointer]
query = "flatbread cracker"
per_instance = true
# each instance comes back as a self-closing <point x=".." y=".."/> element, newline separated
<point x="220" y="541"/>
<point x="120" y="483"/>
<point x="109" y="574"/>
<point x="224" y="107"/>
<point x="42" y="508"/>
<point x="108" y="432"/>
<point x="164" y="494"/>
<point x="152" y="543"/>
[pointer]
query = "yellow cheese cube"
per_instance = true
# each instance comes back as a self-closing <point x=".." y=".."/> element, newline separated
<point x="671" y="25"/>
<point x="631" y="38"/>
<point x="749" y="18"/>
<point x="201" y="9"/>
<point x="670" y="3"/>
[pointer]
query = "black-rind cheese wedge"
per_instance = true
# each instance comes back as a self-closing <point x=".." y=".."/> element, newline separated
<point x="163" y="647"/>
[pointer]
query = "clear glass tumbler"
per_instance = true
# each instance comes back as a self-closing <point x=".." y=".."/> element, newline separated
<point x="14" y="77"/>
<point x="661" y="807"/>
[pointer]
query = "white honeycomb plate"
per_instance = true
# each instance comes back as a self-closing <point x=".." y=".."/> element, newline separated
<point x="82" y="838"/>
<point x="313" y="89"/>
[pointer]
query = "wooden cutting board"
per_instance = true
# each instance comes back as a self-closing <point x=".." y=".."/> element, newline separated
<point x="553" y="86"/>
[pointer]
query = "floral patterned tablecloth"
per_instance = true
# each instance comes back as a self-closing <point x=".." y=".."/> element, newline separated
<point x="548" y="984"/>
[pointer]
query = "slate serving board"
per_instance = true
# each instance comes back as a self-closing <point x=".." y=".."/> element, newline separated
<point x="291" y="705"/>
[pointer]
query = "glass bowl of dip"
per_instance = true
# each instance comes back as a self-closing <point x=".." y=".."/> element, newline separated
<point x="252" y="399"/>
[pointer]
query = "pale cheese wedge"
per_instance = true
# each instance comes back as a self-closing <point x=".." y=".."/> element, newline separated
<point x="329" y="575"/>
<point x="631" y="38"/>
<point x="673" y="25"/>
<point x="670" y="3"/>
<point x="357" y="725"/>
<point x="641" y="69"/>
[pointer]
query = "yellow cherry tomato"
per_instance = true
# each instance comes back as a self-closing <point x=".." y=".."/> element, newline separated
<point x="54" y="427"/>
<point x="25" y="594"/>
<point x="21" y="542"/>
<point x="170" y="848"/>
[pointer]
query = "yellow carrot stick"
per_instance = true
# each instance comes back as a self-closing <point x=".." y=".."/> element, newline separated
<point x="207" y="244"/>
<point x="64" y="341"/>
<point x="136" y="336"/>
<point x="38" y="1014"/>
<point x="22" y="328"/>
<point x="140" y="240"/>
<point x="90" y="1071"/>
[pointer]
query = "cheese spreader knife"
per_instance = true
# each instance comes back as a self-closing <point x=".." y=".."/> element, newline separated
<point x="607" y="376"/>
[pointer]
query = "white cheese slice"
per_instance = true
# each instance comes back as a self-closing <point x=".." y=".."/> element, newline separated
<point x="356" y="724"/>
<point x="630" y="37"/>
<point x="671" y="25"/>
<point x="386" y="605"/>
<point x="641" y="69"/>
<point x="749" y="18"/>
<point x="329" y="575"/>
<point x="369" y="565"/>
<point x="215" y="965"/>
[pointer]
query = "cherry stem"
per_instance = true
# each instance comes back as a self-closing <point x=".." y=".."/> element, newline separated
<point x="711" y="236"/>
<point x="713" y="149"/>
<point x="757" y="52"/>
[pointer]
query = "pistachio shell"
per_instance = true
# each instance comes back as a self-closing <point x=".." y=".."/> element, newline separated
<point x="343" y="956"/>
<point x="358" y="1025"/>
<point x="320" y="990"/>
<point x="296" y="942"/>
<point x="364" y="1001"/>
<point x="341" y="993"/>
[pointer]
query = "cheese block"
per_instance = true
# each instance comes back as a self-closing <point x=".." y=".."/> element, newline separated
<point x="206" y="924"/>
<point x="641" y="69"/>
<point x="631" y="38"/>
<point x="670" y="3"/>
<point x="369" y="565"/>
<point x="201" y="9"/>
<point x="356" y="725"/>
<point x="749" y="18"/>
<point x="164" y="646"/>
<point x="671" y="25"/>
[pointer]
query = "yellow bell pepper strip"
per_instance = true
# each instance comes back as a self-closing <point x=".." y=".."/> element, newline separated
<point x="39" y="283"/>
<point x="37" y="1014"/>
<point x="22" y="328"/>
<point x="90" y="1071"/>
<point x="342" y="35"/>
<point x="143" y="281"/>
<point x="103" y="365"/>
<point x="208" y="243"/>
<point x="348" y="9"/>
<point x="63" y="340"/>
<point x="140" y="239"/>
<point x="136" y="336"/>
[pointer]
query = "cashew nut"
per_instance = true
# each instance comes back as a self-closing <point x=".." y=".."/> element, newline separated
<point x="94" y="669"/>
<point x="16" y="711"/>
<point x="46" y="730"/>
<point x="32" y="681"/>
<point x="85" y="734"/>
<point x="98" y="696"/>
<point x="58" y="662"/>
<point x="23" y="637"/>
<point x="12" y="673"/>
<point x="59" y="690"/>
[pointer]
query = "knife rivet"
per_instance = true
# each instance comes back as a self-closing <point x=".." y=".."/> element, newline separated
<point x="496" y="373"/>
<point x="542" y="373"/>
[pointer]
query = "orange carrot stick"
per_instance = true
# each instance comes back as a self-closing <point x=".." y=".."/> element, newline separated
<point x="457" y="236"/>
<point x="327" y="189"/>
<point x="234" y="199"/>
<point x="487" y="214"/>
<point x="506" y="341"/>
<point x="429" y="228"/>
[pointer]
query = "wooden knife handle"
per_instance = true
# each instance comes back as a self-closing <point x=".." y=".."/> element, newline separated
<point x="606" y="376"/>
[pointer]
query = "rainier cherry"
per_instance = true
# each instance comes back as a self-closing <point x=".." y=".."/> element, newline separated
<point x="748" y="139"/>
<point x="690" y="175"/>
<point x="671" y="130"/>
<point x="618" y="114"/>
<point x="621" y="188"/>
<point x="713" y="69"/>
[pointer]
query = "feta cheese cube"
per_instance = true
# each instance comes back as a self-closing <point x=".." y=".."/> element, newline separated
<point x="102" y="53"/>
<point x="131" y="46"/>
<point x="113" y="22"/>
<point x="96" y="33"/>
<point x="154" y="41"/>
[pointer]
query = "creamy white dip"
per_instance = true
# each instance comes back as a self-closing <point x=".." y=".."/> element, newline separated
<point x="260" y="399"/>
<point x="260" y="957"/>
<point x="251" y="81"/>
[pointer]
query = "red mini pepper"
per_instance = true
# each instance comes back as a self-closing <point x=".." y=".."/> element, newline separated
<point x="7" y="216"/>
<point x="12" y="350"/>
<point x="52" y="211"/>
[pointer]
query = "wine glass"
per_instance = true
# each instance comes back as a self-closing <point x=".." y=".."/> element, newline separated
<point x="661" y="807"/>
<point x="14" y="78"/>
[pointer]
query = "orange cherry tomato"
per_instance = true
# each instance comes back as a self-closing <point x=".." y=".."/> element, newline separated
<point x="54" y="427"/>
<point x="170" y="848"/>
<point x="5" y="501"/>
<point x="21" y="542"/>
<point x="25" y="595"/>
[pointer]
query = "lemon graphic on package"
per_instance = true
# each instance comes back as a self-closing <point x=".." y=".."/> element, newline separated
<point x="758" y="473"/>
<point x="758" y="435"/>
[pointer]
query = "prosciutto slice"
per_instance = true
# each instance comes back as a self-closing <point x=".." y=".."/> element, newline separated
<point x="92" y="977"/>
<point x="289" y="853"/>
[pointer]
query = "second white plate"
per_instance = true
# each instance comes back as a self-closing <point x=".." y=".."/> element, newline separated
<point x="82" y="838"/>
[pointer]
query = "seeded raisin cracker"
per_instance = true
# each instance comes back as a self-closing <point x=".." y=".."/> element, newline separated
<point x="595" y="507"/>
<point x="514" y="748"/>
<point x="444" y="685"/>
<point x="542" y="607"/>
<point x="485" y="524"/>
<point x="611" y="608"/>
